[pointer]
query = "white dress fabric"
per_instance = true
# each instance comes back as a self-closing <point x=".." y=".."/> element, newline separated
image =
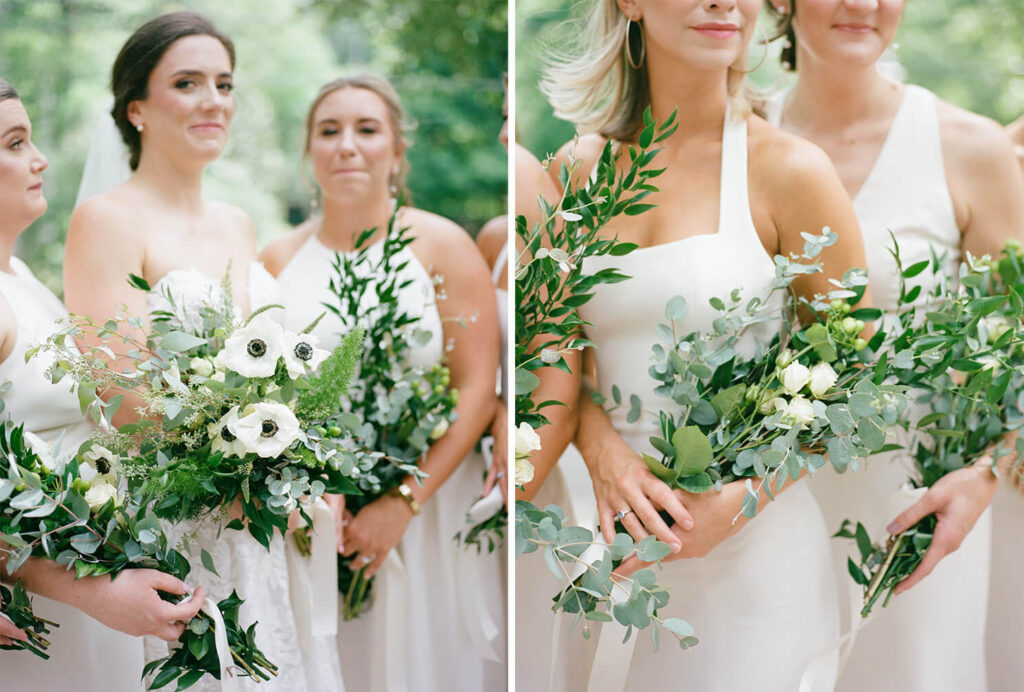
<point x="1005" y="633"/>
<point x="775" y="624"/>
<point x="260" y="576"/>
<point x="913" y="645"/>
<point x="418" y="635"/>
<point x="84" y="655"/>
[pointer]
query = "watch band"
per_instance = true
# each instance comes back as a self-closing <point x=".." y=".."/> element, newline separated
<point x="405" y="492"/>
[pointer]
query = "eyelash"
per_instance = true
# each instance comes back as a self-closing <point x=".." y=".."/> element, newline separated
<point x="16" y="144"/>
<point x="187" y="83"/>
<point x="328" y="132"/>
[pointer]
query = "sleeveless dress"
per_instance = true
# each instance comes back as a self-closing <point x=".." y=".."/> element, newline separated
<point x="416" y="634"/>
<point x="930" y="639"/>
<point x="756" y="631"/>
<point x="84" y="654"/>
<point x="260" y="576"/>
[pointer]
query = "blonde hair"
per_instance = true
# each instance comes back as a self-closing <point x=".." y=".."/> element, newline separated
<point x="400" y="125"/>
<point x="593" y="86"/>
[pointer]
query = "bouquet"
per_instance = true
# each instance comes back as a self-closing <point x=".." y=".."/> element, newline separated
<point x="233" y="410"/>
<point x="550" y="287"/>
<point x="965" y="355"/>
<point x="486" y="517"/>
<point x="770" y="415"/>
<point x="75" y="513"/>
<point x="396" y="408"/>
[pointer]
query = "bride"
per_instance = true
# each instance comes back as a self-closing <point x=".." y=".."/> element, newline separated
<point x="173" y="104"/>
<point x="736" y="192"/>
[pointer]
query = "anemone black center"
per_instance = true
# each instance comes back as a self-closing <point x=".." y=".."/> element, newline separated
<point x="303" y="351"/>
<point x="257" y="348"/>
<point x="227" y="435"/>
<point x="103" y="465"/>
<point x="269" y="428"/>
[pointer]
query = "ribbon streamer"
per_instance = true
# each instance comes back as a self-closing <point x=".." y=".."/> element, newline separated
<point x="390" y="636"/>
<point x="228" y="683"/>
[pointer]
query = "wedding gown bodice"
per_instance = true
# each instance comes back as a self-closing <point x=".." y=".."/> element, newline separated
<point x="191" y="289"/>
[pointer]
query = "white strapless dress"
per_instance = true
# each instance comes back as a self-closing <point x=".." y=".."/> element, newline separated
<point x="260" y="576"/>
<point x="84" y="655"/>
<point x="763" y="603"/>
<point x="422" y="633"/>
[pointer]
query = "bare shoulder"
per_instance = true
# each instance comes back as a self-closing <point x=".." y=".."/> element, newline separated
<point x="582" y="152"/>
<point x="971" y="141"/>
<point x="438" y="241"/>
<point x="108" y="220"/>
<point x="234" y="222"/>
<point x="279" y="252"/>
<point x="782" y="163"/>
<point x="492" y="237"/>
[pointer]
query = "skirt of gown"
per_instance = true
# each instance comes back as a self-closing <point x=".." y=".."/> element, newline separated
<point x="1005" y="635"/>
<point x="421" y="633"/>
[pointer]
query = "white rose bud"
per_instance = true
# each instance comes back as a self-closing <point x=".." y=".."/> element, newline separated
<point x="440" y="429"/>
<point x="524" y="470"/>
<point x="527" y="441"/>
<point x="99" y="494"/>
<point x="823" y="377"/>
<point x="801" y="410"/>
<point x="201" y="367"/>
<point x="795" y="377"/>
<point x="217" y="376"/>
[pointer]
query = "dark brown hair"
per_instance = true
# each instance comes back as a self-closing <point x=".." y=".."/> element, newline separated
<point x="139" y="56"/>
<point x="6" y="90"/>
<point x="784" y="28"/>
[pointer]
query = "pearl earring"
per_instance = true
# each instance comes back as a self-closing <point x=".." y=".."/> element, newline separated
<point x="139" y="127"/>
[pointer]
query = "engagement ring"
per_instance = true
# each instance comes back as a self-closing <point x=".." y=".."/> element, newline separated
<point x="621" y="513"/>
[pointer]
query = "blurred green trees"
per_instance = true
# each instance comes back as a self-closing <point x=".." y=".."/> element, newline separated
<point x="446" y="58"/>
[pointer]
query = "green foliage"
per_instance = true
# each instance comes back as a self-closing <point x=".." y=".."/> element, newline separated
<point x="16" y="605"/>
<point x="330" y="384"/>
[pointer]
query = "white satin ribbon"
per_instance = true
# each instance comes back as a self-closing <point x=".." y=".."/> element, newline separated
<point x="818" y="671"/>
<point x="483" y="631"/>
<point x="390" y="636"/>
<point x="313" y="580"/>
<point x="228" y="683"/>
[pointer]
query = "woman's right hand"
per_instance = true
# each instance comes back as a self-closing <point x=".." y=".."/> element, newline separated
<point x="9" y="634"/>
<point x="131" y="603"/>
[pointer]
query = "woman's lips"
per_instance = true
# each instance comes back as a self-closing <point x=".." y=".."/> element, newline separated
<point x="854" y="28"/>
<point x="717" y="30"/>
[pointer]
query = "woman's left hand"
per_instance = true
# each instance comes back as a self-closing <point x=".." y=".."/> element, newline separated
<point x="713" y="513"/>
<point x="498" y="473"/>
<point x="957" y="500"/>
<point x="375" y="530"/>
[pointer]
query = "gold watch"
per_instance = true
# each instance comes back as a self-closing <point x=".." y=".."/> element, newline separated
<point x="405" y="492"/>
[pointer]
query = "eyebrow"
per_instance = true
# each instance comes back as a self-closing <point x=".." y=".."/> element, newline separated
<point x="361" y="120"/>
<point x="197" y="73"/>
<point x="15" y="129"/>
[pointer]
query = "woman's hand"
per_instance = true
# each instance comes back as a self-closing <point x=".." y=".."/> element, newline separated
<point x="9" y="634"/>
<point x="498" y="473"/>
<point x="375" y="530"/>
<point x="713" y="513"/>
<point x="957" y="500"/>
<point x="132" y="604"/>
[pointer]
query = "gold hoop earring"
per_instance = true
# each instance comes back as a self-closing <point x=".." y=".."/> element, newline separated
<point x="636" y="65"/>
<point x="764" y="56"/>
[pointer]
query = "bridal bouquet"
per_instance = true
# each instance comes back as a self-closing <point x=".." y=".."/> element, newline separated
<point x="396" y="407"/>
<point x="75" y="513"/>
<point x="233" y="411"/>
<point x="966" y="355"/>
<point x="772" y="414"/>
<point x="550" y="287"/>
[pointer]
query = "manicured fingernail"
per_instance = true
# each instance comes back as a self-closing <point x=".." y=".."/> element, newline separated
<point x="688" y="524"/>
<point x="893" y="527"/>
<point x="676" y="547"/>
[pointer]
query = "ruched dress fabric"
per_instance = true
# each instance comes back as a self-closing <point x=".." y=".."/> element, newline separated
<point x="932" y="638"/>
<point x="418" y="635"/>
<point x="260" y="576"/>
<point x="84" y="654"/>
<point x="763" y="602"/>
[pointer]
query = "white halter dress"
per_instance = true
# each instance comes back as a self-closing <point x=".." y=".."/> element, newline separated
<point x="418" y="634"/>
<point x="84" y="654"/>
<point x="260" y="576"/>
<point x="765" y="596"/>
<point x="915" y="644"/>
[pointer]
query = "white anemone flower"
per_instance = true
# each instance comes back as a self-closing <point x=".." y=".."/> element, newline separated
<point x="270" y="429"/>
<point x="100" y="466"/>
<point x="99" y="494"/>
<point x="253" y="350"/>
<point x="301" y="356"/>
<point x="222" y="439"/>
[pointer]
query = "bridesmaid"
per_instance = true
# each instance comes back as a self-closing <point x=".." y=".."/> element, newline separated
<point x="941" y="180"/>
<point x="356" y="145"/>
<point x="735" y="193"/>
<point x="85" y="653"/>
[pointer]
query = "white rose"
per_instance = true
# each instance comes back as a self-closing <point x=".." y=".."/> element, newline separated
<point x="201" y="367"/>
<point x="823" y="377"/>
<point x="301" y="355"/>
<point x="270" y="429"/>
<point x="527" y="441"/>
<point x="801" y="410"/>
<point x="524" y="470"/>
<point x="253" y="350"/>
<point x="440" y="429"/>
<point x="99" y="494"/>
<point x="997" y="326"/>
<point x="794" y="377"/>
<point x="218" y="376"/>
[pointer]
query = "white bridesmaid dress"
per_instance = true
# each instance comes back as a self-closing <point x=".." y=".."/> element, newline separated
<point x="84" y="654"/>
<point x="417" y="635"/>
<point x="930" y="639"/>
<point x="766" y="596"/>
<point x="262" y="577"/>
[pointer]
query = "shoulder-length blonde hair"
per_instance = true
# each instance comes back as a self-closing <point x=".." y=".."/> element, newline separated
<point x="593" y="86"/>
